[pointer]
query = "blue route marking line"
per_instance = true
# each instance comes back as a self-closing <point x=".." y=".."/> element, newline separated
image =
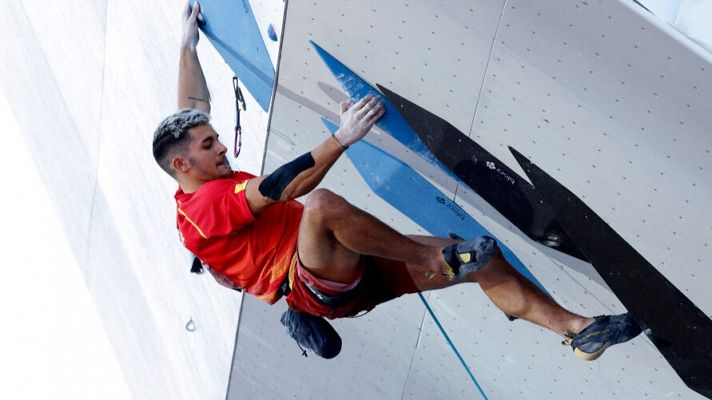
<point x="452" y="345"/>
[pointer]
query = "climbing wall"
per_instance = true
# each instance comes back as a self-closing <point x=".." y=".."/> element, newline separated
<point x="606" y="99"/>
<point x="88" y="82"/>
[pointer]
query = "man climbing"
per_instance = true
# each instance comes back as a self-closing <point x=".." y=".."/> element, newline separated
<point x="327" y="257"/>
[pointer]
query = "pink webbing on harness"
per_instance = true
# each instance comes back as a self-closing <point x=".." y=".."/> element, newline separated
<point x="324" y="284"/>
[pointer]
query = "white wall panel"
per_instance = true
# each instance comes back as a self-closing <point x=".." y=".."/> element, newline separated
<point x="88" y="83"/>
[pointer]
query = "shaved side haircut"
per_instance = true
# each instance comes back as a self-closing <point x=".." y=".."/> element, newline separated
<point x="171" y="137"/>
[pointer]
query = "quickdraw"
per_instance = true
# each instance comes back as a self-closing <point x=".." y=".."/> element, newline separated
<point x="239" y="103"/>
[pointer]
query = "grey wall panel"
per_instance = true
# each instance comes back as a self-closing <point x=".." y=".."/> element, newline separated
<point x="269" y="365"/>
<point x="526" y="361"/>
<point x="615" y="109"/>
<point x="519" y="360"/>
<point x="400" y="43"/>
<point x="554" y="81"/>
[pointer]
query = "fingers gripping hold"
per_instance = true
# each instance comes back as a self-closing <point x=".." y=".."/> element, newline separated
<point x="375" y="112"/>
<point x="363" y="102"/>
<point x="372" y="104"/>
<point x="191" y="12"/>
<point x="191" y="19"/>
<point x="358" y="119"/>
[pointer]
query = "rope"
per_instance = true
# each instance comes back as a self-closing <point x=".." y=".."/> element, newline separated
<point x="452" y="346"/>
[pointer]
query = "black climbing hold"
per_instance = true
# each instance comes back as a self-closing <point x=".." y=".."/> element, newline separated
<point x="490" y="178"/>
<point x="197" y="266"/>
<point x="676" y="326"/>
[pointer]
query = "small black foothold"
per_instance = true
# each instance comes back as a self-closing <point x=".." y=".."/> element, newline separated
<point x="197" y="267"/>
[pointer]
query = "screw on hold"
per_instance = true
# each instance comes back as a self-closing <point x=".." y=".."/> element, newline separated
<point x="552" y="240"/>
<point x="455" y="236"/>
<point x="190" y="326"/>
<point x="272" y="33"/>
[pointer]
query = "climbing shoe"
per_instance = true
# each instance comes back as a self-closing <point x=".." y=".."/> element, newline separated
<point x="312" y="332"/>
<point x="604" y="332"/>
<point x="469" y="256"/>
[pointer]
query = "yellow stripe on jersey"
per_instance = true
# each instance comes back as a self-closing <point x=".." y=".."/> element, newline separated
<point x="292" y="269"/>
<point x="197" y="228"/>
<point x="240" y="187"/>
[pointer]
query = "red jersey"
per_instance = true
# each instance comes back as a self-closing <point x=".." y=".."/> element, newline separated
<point x="216" y="224"/>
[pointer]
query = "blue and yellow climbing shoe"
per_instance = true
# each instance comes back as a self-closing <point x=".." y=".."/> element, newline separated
<point x="469" y="256"/>
<point x="604" y="332"/>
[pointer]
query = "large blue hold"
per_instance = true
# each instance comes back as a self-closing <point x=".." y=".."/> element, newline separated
<point x="411" y="194"/>
<point x="392" y="122"/>
<point x="232" y="29"/>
